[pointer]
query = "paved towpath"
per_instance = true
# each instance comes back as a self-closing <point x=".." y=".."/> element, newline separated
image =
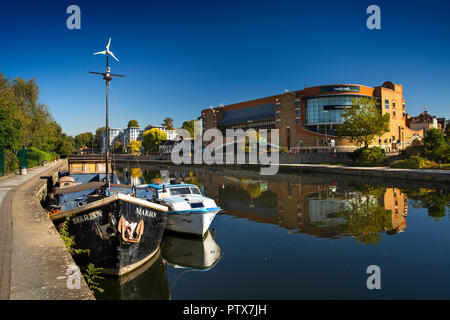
<point x="33" y="258"/>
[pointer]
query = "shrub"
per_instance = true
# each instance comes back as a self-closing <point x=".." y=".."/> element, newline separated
<point x="413" y="150"/>
<point x="435" y="146"/>
<point x="11" y="161"/>
<point x="414" y="162"/>
<point x="369" y="157"/>
<point x="35" y="157"/>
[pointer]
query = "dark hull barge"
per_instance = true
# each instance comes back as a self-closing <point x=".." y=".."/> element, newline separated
<point x="121" y="232"/>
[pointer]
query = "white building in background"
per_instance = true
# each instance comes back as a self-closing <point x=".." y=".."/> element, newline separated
<point x="171" y="134"/>
<point x="130" y="134"/>
<point x="113" y="134"/>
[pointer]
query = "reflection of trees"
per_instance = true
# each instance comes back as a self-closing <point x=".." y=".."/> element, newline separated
<point x="366" y="219"/>
<point x="252" y="187"/>
<point x="136" y="172"/>
<point x="436" y="201"/>
<point x="150" y="175"/>
<point x="192" y="179"/>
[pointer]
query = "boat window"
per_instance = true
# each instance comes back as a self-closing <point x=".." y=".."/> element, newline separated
<point x="195" y="190"/>
<point x="177" y="191"/>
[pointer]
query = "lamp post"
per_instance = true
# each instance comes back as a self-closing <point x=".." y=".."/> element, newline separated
<point x="326" y="133"/>
<point x="301" y="149"/>
<point x="403" y="134"/>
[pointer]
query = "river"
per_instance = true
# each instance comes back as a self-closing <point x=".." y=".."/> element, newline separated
<point x="299" y="236"/>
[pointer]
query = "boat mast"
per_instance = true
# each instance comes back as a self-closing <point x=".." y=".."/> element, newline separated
<point x="107" y="76"/>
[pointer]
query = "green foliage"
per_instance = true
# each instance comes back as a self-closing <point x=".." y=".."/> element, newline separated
<point x="91" y="275"/>
<point x="134" y="147"/>
<point x="168" y="123"/>
<point x="152" y="140"/>
<point x="364" y="121"/>
<point x="414" y="162"/>
<point x="11" y="162"/>
<point x="133" y="123"/>
<point x="118" y="147"/>
<point x="436" y="147"/>
<point x="413" y="150"/>
<point x="83" y="140"/>
<point x="24" y="121"/>
<point x="35" y="157"/>
<point x="435" y="201"/>
<point x="189" y="126"/>
<point x="10" y="116"/>
<point x="369" y="157"/>
<point x="98" y="137"/>
<point x="366" y="219"/>
<point x="69" y="241"/>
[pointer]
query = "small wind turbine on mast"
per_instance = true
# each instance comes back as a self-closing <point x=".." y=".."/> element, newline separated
<point x="107" y="76"/>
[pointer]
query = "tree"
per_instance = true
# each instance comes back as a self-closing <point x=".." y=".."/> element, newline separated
<point x="364" y="121"/>
<point x="134" y="147"/>
<point x="133" y="123"/>
<point x="26" y="122"/>
<point x="65" y="145"/>
<point x="84" y="140"/>
<point x="10" y="120"/>
<point x="152" y="140"/>
<point x="435" y="146"/>
<point x="98" y="137"/>
<point x="148" y="127"/>
<point x="118" y="147"/>
<point x="189" y="126"/>
<point x="168" y="123"/>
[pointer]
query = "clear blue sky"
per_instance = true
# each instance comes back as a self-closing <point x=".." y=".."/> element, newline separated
<point x="181" y="56"/>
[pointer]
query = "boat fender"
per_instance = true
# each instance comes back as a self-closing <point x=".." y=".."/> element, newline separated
<point x="106" y="231"/>
<point x="126" y="230"/>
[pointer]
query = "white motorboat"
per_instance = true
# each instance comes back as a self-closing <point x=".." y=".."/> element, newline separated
<point x="189" y="211"/>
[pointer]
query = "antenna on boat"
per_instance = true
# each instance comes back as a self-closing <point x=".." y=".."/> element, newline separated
<point x="107" y="76"/>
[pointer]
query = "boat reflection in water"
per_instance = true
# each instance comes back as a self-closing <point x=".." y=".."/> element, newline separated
<point x="190" y="252"/>
<point x="148" y="282"/>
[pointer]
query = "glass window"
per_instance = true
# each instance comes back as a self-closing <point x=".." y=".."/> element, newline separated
<point x="278" y="115"/>
<point x="297" y="112"/>
<point x="195" y="190"/>
<point x="297" y="120"/>
<point x="278" y="123"/>
<point x="177" y="191"/>
<point x="386" y="104"/>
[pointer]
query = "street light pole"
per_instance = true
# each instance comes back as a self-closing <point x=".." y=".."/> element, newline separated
<point x="326" y="133"/>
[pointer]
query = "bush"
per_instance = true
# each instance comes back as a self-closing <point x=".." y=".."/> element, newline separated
<point x="414" y="162"/>
<point x="413" y="150"/>
<point x="35" y="157"/>
<point x="11" y="162"/>
<point x="369" y="157"/>
<point x="435" y="146"/>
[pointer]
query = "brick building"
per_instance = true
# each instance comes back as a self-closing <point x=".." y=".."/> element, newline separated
<point x="309" y="118"/>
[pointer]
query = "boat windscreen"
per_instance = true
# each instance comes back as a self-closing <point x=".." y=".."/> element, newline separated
<point x="178" y="191"/>
<point x="195" y="190"/>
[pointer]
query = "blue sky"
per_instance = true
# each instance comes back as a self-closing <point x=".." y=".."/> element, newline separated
<point x="182" y="56"/>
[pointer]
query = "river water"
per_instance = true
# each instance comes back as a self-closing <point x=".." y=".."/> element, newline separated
<point x="299" y="236"/>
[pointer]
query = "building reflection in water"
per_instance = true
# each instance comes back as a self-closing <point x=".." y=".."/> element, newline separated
<point x="321" y="209"/>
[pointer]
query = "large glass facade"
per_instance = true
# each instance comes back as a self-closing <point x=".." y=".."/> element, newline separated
<point x="333" y="105"/>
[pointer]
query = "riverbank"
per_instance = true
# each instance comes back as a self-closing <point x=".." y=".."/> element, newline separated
<point x="426" y="175"/>
<point x="34" y="259"/>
